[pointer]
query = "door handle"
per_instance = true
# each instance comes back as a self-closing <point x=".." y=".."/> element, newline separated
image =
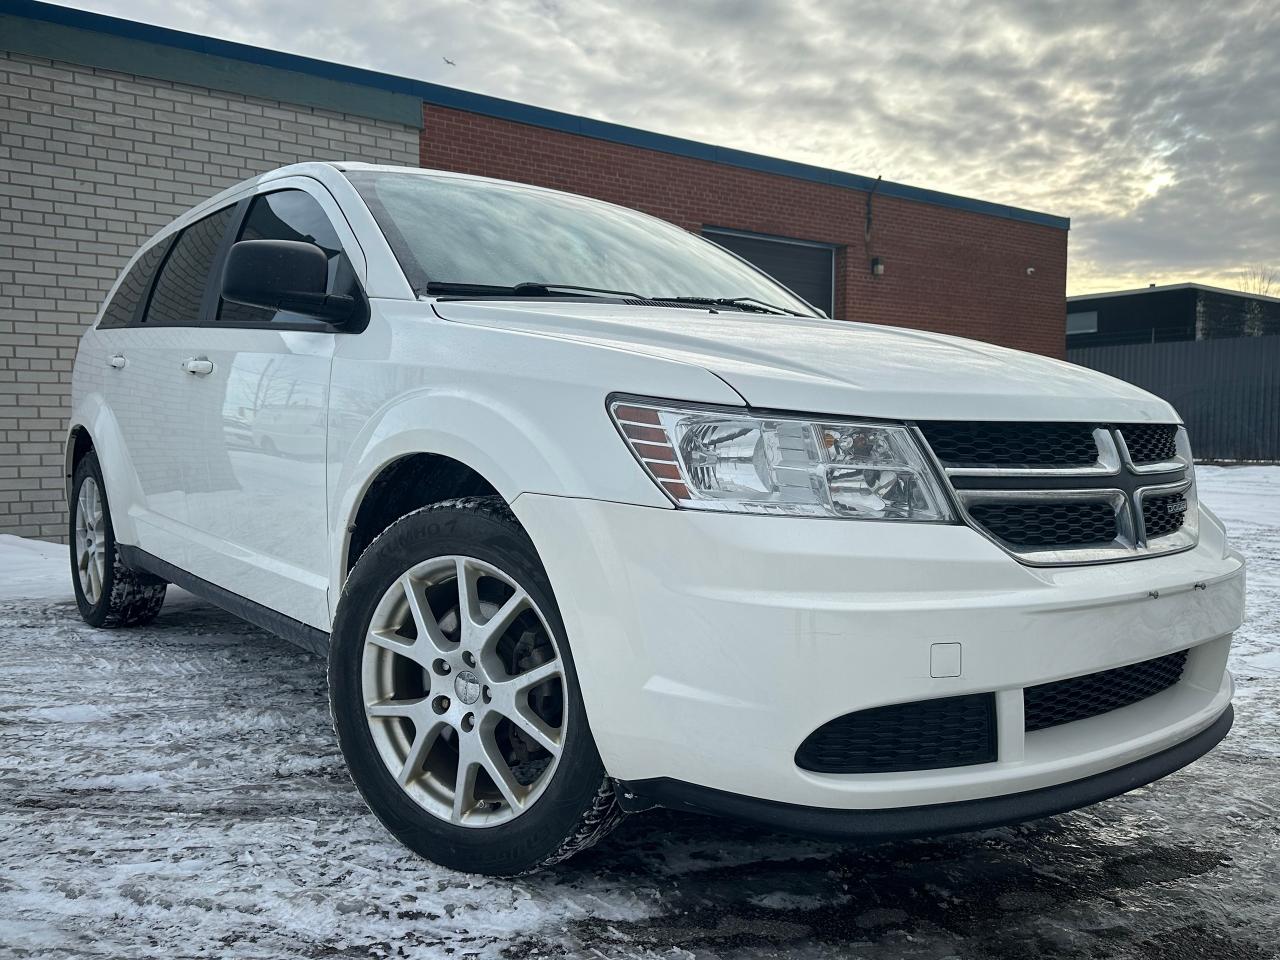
<point x="198" y="366"/>
<point x="118" y="361"/>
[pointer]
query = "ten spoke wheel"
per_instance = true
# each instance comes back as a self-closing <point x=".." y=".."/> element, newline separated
<point x="464" y="691"/>
<point x="455" y="695"/>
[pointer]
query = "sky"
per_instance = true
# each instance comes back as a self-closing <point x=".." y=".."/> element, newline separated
<point x="1154" y="126"/>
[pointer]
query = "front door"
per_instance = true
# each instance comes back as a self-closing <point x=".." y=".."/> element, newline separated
<point x="257" y="507"/>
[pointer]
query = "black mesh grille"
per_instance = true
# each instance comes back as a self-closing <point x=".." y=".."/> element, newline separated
<point x="1150" y="442"/>
<point x="1068" y="523"/>
<point x="1163" y="515"/>
<point x="967" y="444"/>
<point x="1064" y="701"/>
<point x="925" y="735"/>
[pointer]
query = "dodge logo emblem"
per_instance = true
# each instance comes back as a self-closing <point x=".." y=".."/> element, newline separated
<point x="467" y="686"/>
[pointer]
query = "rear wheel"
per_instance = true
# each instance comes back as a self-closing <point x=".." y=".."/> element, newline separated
<point x="455" y="697"/>
<point x="108" y="593"/>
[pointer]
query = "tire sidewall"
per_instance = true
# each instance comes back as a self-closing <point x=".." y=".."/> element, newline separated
<point x="536" y="834"/>
<point x="93" y="614"/>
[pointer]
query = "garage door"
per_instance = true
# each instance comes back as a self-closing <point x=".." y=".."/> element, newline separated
<point x="805" y="267"/>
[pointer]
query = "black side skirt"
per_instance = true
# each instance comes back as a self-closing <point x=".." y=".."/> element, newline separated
<point x="295" y="631"/>
<point x="934" y="819"/>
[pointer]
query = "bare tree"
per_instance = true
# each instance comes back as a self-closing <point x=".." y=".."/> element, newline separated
<point x="1261" y="280"/>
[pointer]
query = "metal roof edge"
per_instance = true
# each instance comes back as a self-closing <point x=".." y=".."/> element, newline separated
<point x="1168" y="287"/>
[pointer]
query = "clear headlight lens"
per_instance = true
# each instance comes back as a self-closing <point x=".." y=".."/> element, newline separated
<point x="724" y="460"/>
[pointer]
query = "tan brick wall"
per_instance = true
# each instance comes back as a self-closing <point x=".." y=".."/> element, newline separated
<point x="92" y="162"/>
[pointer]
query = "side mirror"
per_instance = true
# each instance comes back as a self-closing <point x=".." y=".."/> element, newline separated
<point x="283" y="275"/>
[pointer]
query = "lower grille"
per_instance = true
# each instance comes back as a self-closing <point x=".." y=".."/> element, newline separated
<point x="1163" y="515"/>
<point x="1076" y="698"/>
<point x="924" y="735"/>
<point x="1041" y="524"/>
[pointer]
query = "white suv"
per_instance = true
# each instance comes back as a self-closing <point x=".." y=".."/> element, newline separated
<point x="589" y="515"/>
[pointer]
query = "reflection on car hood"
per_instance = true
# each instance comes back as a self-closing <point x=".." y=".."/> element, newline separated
<point x="835" y="367"/>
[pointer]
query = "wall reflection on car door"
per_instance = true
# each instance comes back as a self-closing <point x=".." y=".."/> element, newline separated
<point x="261" y="500"/>
<point x="259" y="514"/>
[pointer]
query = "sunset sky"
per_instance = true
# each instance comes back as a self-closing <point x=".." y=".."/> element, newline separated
<point x="1154" y="126"/>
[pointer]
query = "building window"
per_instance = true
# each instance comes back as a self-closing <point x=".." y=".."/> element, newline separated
<point x="806" y="268"/>
<point x="1086" y="322"/>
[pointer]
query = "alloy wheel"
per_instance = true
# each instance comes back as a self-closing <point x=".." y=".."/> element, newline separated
<point x="464" y="691"/>
<point x="91" y="541"/>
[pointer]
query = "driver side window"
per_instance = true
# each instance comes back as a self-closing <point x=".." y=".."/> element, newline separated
<point x="290" y="215"/>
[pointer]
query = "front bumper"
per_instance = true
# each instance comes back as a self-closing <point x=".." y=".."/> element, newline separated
<point x="709" y="646"/>
<point x="932" y="819"/>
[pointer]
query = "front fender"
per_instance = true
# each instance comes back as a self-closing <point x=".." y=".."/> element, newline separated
<point x="506" y="445"/>
<point x="523" y="410"/>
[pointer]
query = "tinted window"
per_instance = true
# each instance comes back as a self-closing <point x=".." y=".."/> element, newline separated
<point x="180" y="289"/>
<point x="133" y="288"/>
<point x="503" y="234"/>
<point x="291" y="215"/>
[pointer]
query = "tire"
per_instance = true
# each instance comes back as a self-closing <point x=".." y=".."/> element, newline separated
<point x="568" y="803"/>
<point x="108" y="593"/>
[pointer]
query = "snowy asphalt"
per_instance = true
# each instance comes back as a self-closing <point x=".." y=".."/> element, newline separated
<point x="176" y="792"/>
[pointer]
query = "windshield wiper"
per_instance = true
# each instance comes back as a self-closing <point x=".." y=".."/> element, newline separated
<point x="742" y="303"/>
<point x="528" y="289"/>
<point x="537" y="289"/>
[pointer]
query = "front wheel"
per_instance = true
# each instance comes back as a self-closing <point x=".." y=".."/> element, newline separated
<point x="455" y="699"/>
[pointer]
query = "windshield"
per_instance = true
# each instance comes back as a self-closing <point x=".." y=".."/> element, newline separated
<point x="448" y="230"/>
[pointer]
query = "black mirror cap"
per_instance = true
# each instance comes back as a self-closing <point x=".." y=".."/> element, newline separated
<point x="285" y="275"/>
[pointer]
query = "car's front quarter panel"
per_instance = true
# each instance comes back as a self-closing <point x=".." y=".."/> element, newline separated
<point x="527" y="412"/>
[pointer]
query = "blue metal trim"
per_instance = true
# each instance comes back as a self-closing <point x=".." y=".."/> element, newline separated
<point x="442" y="96"/>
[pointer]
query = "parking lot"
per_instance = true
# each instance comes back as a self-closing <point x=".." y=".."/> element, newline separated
<point x="176" y="791"/>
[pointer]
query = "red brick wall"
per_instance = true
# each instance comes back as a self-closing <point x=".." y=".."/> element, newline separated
<point x="945" y="269"/>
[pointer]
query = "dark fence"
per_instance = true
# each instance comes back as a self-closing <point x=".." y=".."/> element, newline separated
<point x="1227" y="391"/>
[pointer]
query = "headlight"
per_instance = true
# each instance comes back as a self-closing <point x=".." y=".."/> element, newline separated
<point x="709" y="459"/>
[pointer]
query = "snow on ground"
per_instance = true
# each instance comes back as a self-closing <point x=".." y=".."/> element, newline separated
<point x="175" y="791"/>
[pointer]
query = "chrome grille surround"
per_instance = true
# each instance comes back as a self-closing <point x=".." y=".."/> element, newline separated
<point x="1113" y="478"/>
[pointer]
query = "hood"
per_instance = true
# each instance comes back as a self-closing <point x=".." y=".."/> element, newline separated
<point x="833" y="366"/>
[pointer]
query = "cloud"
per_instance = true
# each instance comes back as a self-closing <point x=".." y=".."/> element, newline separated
<point x="1153" y="125"/>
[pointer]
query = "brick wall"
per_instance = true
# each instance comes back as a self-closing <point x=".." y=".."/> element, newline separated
<point x="92" y="162"/>
<point x="945" y="269"/>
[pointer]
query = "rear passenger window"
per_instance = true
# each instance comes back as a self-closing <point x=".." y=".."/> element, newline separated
<point x="133" y="288"/>
<point x="291" y="215"/>
<point x="180" y="288"/>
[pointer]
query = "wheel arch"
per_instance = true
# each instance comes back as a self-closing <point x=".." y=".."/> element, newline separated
<point x="79" y="443"/>
<point x="400" y="486"/>
<point x="93" y="428"/>
<point x="473" y="445"/>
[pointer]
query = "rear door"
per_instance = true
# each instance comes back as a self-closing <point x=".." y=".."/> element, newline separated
<point x="148" y="389"/>
<point x="257" y="509"/>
